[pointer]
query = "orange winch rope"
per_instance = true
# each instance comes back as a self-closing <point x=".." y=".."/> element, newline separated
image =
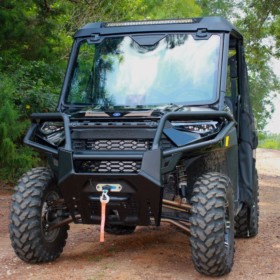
<point x="103" y="217"/>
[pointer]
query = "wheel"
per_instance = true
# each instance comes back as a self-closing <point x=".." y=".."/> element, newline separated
<point x="119" y="229"/>
<point x="31" y="214"/>
<point x="243" y="228"/>
<point x="212" y="224"/>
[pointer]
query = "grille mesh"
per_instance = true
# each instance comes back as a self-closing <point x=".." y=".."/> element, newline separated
<point x="112" y="144"/>
<point x="108" y="166"/>
<point x="113" y="166"/>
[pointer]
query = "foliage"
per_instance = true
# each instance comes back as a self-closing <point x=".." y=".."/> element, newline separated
<point x="165" y="9"/>
<point x="29" y="30"/>
<point x="259" y="27"/>
<point x="14" y="157"/>
<point x="85" y="11"/>
<point x="37" y="86"/>
<point x="259" y="22"/>
<point x="224" y="8"/>
<point x="269" y="141"/>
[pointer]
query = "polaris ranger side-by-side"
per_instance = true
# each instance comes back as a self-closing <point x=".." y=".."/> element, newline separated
<point x="153" y="124"/>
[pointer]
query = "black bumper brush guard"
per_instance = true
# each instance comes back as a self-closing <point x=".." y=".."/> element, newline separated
<point x="140" y="200"/>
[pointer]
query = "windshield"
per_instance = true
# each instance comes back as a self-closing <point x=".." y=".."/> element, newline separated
<point x="119" y="71"/>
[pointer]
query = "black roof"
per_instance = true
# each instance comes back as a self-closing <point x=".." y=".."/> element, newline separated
<point x="212" y="24"/>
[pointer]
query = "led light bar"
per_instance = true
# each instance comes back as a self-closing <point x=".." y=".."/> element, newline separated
<point x="150" y="22"/>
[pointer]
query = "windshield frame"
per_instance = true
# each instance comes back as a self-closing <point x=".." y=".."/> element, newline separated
<point x="63" y="105"/>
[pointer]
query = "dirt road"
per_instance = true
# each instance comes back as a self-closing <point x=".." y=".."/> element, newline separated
<point x="152" y="253"/>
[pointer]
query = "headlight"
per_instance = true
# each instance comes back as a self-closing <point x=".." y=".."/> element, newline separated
<point x="203" y="128"/>
<point x="52" y="132"/>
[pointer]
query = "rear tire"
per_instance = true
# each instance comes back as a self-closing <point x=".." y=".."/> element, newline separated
<point x="243" y="228"/>
<point x="30" y="217"/>
<point x="119" y="229"/>
<point x="212" y="224"/>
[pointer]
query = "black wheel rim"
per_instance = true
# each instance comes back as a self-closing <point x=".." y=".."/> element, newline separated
<point x="227" y="227"/>
<point x="47" y="219"/>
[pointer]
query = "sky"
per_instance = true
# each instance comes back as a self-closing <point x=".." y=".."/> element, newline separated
<point x="273" y="125"/>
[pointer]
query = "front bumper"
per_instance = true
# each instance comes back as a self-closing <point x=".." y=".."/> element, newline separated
<point x="141" y="195"/>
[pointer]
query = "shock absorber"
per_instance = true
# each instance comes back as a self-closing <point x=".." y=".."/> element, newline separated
<point x="182" y="181"/>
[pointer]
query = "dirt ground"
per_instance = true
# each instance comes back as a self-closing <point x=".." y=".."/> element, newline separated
<point x="152" y="253"/>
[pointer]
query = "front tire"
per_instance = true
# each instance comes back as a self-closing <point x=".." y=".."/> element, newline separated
<point x="30" y="218"/>
<point x="212" y="224"/>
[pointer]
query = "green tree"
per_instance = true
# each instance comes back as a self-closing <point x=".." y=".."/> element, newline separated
<point x="14" y="158"/>
<point x="30" y="30"/>
<point x="165" y="9"/>
<point x="85" y="11"/>
<point x="259" y="22"/>
<point x="225" y="8"/>
<point x="260" y="27"/>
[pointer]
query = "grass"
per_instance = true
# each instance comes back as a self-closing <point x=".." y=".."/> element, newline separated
<point x="269" y="141"/>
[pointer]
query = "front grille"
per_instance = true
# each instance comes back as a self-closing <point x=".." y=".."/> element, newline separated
<point x="103" y="166"/>
<point x="117" y="145"/>
<point x="111" y="144"/>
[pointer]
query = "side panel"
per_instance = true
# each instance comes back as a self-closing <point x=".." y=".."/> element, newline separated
<point x="248" y="140"/>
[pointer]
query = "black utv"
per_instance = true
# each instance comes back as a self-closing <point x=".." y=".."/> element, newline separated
<point x="153" y="124"/>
